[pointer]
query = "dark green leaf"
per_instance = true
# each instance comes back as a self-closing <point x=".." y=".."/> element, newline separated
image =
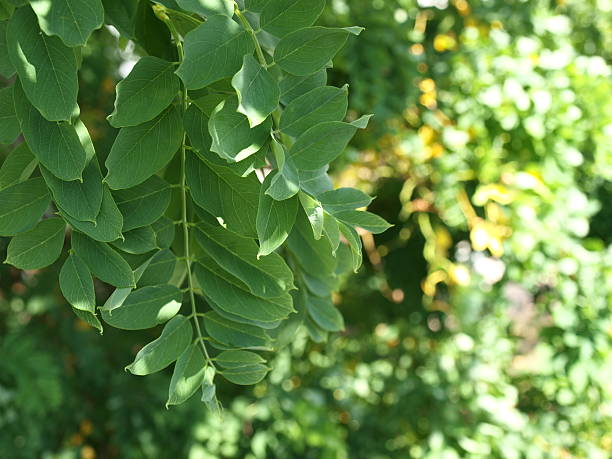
<point x="157" y="355"/>
<point x="308" y="50"/>
<point x="6" y="68"/>
<point x="242" y="367"/>
<point x="77" y="284"/>
<point x="159" y="270"/>
<point x="293" y="86"/>
<point x="72" y="20"/>
<point x="164" y="232"/>
<point x="317" y="106"/>
<point x="315" y="256"/>
<point x="234" y="334"/>
<point x="280" y="17"/>
<point x="143" y="204"/>
<point x="39" y="247"/>
<point x="138" y="241"/>
<point x="114" y="270"/>
<point x="141" y="151"/>
<point x="121" y="15"/>
<point x="188" y="375"/>
<point x="46" y="67"/>
<point x="275" y="220"/>
<point x="22" y="205"/>
<point x="89" y="318"/>
<point x="17" y="167"/>
<point x="213" y="51"/>
<point x="325" y="314"/>
<point x="9" y="124"/>
<point x="258" y="92"/>
<point x="148" y="90"/>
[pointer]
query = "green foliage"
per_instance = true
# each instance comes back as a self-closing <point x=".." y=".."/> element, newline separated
<point x="195" y="140"/>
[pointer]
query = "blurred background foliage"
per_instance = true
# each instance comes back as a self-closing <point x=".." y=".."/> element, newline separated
<point x="480" y="324"/>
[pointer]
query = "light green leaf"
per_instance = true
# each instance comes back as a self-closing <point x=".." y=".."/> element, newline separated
<point x="114" y="270"/>
<point x="314" y="212"/>
<point x="269" y="277"/>
<point x="232" y="137"/>
<point x="148" y="90"/>
<point x="143" y="204"/>
<point x="233" y="334"/>
<point x="275" y="220"/>
<point x="258" y="92"/>
<point x="17" y="167"/>
<point x="223" y="194"/>
<point x="281" y="17"/>
<point x="317" y="106"/>
<point x="188" y="375"/>
<point x="321" y="144"/>
<point x="331" y="230"/>
<point x="293" y="86"/>
<point x="81" y="200"/>
<point x="213" y="51"/>
<point x="316" y="182"/>
<point x="72" y="20"/>
<point x="145" y="308"/>
<point x="363" y="219"/>
<point x="160" y="269"/>
<point x="46" y="67"/>
<point x="343" y="199"/>
<point x="325" y="314"/>
<point x="354" y="241"/>
<point x="315" y="256"/>
<point x="108" y="224"/>
<point x="285" y="183"/>
<point x="208" y="7"/>
<point x="9" y="124"/>
<point x="157" y="355"/>
<point x="6" y="68"/>
<point x="77" y="284"/>
<point x="138" y="241"/>
<point x="233" y="296"/>
<point x="56" y="145"/>
<point x="242" y="367"/>
<point x="141" y="151"/>
<point x="89" y="318"/>
<point x="308" y="50"/>
<point x="22" y="205"/>
<point x="39" y="247"/>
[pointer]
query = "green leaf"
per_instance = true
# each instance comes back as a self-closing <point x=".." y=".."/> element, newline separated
<point x="77" y="284"/>
<point x="314" y="212"/>
<point x="321" y="144"/>
<point x="145" y="308"/>
<point x="6" y="68"/>
<point x="331" y="230"/>
<point x="366" y="220"/>
<point x="157" y="355"/>
<point x="316" y="182"/>
<point x="275" y="220"/>
<point x="108" y="224"/>
<point x="114" y="270"/>
<point x="164" y="232"/>
<point x="39" y="247"/>
<point x="46" y="67"/>
<point x="315" y="256"/>
<point x="343" y="199"/>
<point x="354" y="241"/>
<point x="317" y="106"/>
<point x="233" y="296"/>
<point x="121" y="15"/>
<point x="223" y="194"/>
<point x="308" y="50"/>
<point x="117" y="298"/>
<point x="325" y="314"/>
<point x="258" y="92"/>
<point x="72" y="20"/>
<point x="281" y="17"/>
<point x="17" y="167"/>
<point x="232" y="137"/>
<point x="242" y="367"/>
<point x="233" y="334"/>
<point x="196" y="125"/>
<point x="269" y="277"/>
<point x="57" y="146"/>
<point x="138" y="241"/>
<point x="208" y="7"/>
<point x="143" y="204"/>
<point x="188" y="375"/>
<point x="9" y="124"/>
<point x="22" y="205"/>
<point x="285" y="183"/>
<point x="213" y="51"/>
<point x="160" y="269"/>
<point x="293" y="86"/>
<point x="89" y="318"/>
<point x="148" y="90"/>
<point x="141" y="151"/>
<point x="81" y="200"/>
<point x="256" y="5"/>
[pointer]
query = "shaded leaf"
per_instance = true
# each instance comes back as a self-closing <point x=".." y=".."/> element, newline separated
<point x="9" y="124"/>
<point x="275" y="220"/>
<point x="143" y="204"/>
<point x="22" y="205"/>
<point x="188" y="375"/>
<point x="39" y="247"/>
<point x="17" y="167"/>
<point x="235" y="334"/>
<point x="77" y="284"/>
<point x="281" y="17"/>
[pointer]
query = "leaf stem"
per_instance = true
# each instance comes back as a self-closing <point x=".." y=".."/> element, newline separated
<point x="247" y="26"/>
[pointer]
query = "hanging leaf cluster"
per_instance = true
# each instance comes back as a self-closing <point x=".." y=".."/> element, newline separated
<point x="213" y="216"/>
